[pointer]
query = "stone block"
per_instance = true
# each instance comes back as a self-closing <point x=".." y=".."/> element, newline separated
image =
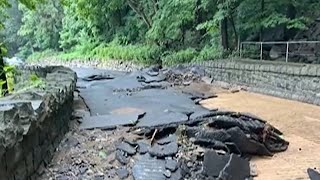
<point x="304" y="71"/>
<point x="313" y="70"/>
<point x="14" y="156"/>
<point x="37" y="157"/>
<point x="3" y="169"/>
<point x="21" y="171"/>
<point x="290" y="70"/>
<point x="29" y="163"/>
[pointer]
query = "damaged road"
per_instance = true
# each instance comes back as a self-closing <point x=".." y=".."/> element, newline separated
<point x="148" y="121"/>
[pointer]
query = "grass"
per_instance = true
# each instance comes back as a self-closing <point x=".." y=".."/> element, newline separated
<point x="139" y="54"/>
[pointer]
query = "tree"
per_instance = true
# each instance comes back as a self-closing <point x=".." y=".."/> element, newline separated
<point x="42" y="26"/>
<point x="3" y="5"/>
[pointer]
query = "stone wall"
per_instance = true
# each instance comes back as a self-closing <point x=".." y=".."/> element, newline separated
<point x="92" y="63"/>
<point x="32" y="124"/>
<point x="287" y="80"/>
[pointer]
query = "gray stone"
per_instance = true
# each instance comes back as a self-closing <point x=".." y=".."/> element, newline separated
<point x="164" y="150"/>
<point x="171" y="165"/>
<point x="122" y="173"/>
<point x="125" y="147"/>
<point x="121" y="158"/>
<point x="167" y="140"/>
<point x="167" y="174"/>
<point x="143" y="147"/>
<point x="99" y="177"/>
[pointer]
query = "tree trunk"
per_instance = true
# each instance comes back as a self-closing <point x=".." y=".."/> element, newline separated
<point x="234" y="29"/>
<point x="224" y="34"/>
<point x="136" y="7"/>
<point x="262" y="16"/>
<point x="4" y="88"/>
<point x="291" y="14"/>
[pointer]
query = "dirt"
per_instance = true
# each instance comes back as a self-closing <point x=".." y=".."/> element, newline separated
<point x="299" y="122"/>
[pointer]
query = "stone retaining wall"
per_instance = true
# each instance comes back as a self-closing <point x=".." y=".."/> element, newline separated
<point x="32" y="124"/>
<point x="92" y="63"/>
<point x="287" y="80"/>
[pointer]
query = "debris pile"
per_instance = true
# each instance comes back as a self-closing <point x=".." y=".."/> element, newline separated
<point x="214" y="145"/>
<point x="183" y="75"/>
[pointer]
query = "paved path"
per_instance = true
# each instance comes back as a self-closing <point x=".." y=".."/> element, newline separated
<point x="299" y="122"/>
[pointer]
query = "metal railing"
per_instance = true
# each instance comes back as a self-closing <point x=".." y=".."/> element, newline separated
<point x="287" y="44"/>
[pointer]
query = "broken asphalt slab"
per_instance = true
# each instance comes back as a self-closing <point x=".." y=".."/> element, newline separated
<point x="110" y="121"/>
<point x="313" y="174"/>
<point x="147" y="167"/>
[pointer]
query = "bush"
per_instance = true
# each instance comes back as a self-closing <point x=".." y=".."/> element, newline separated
<point x="183" y="56"/>
<point x="141" y="54"/>
<point x="209" y="53"/>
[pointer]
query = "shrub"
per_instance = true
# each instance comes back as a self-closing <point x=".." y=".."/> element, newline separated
<point x="141" y="54"/>
<point x="183" y="56"/>
<point x="209" y="53"/>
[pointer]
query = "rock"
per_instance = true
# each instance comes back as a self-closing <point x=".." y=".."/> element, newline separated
<point x="207" y="80"/>
<point x="236" y="168"/>
<point x="190" y="164"/>
<point x="99" y="177"/>
<point x="121" y="158"/>
<point x="167" y="140"/>
<point x="143" y="147"/>
<point x="83" y="169"/>
<point x="164" y="150"/>
<point x="122" y="173"/>
<point x="313" y="174"/>
<point x="71" y="142"/>
<point x="125" y="147"/>
<point x="234" y="91"/>
<point x="62" y="177"/>
<point x="153" y="73"/>
<point x="253" y="170"/>
<point x="171" y="165"/>
<point x="214" y="163"/>
<point x="167" y="174"/>
<point x="184" y="170"/>
<point x="176" y="175"/>
<point x="275" y="52"/>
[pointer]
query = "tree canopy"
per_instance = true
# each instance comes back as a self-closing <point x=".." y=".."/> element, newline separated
<point x="174" y="29"/>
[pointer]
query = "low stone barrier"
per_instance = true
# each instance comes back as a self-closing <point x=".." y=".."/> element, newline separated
<point x="91" y="63"/>
<point x="32" y="124"/>
<point x="287" y="80"/>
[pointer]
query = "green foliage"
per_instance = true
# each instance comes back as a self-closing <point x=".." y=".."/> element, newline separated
<point x="183" y="56"/>
<point x="168" y="24"/>
<point x="42" y="26"/>
<point x="144" y="31"/>
<point x="10" y="72"/>
<point x="210" y="53"/>
<point x="138" y="53"/>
